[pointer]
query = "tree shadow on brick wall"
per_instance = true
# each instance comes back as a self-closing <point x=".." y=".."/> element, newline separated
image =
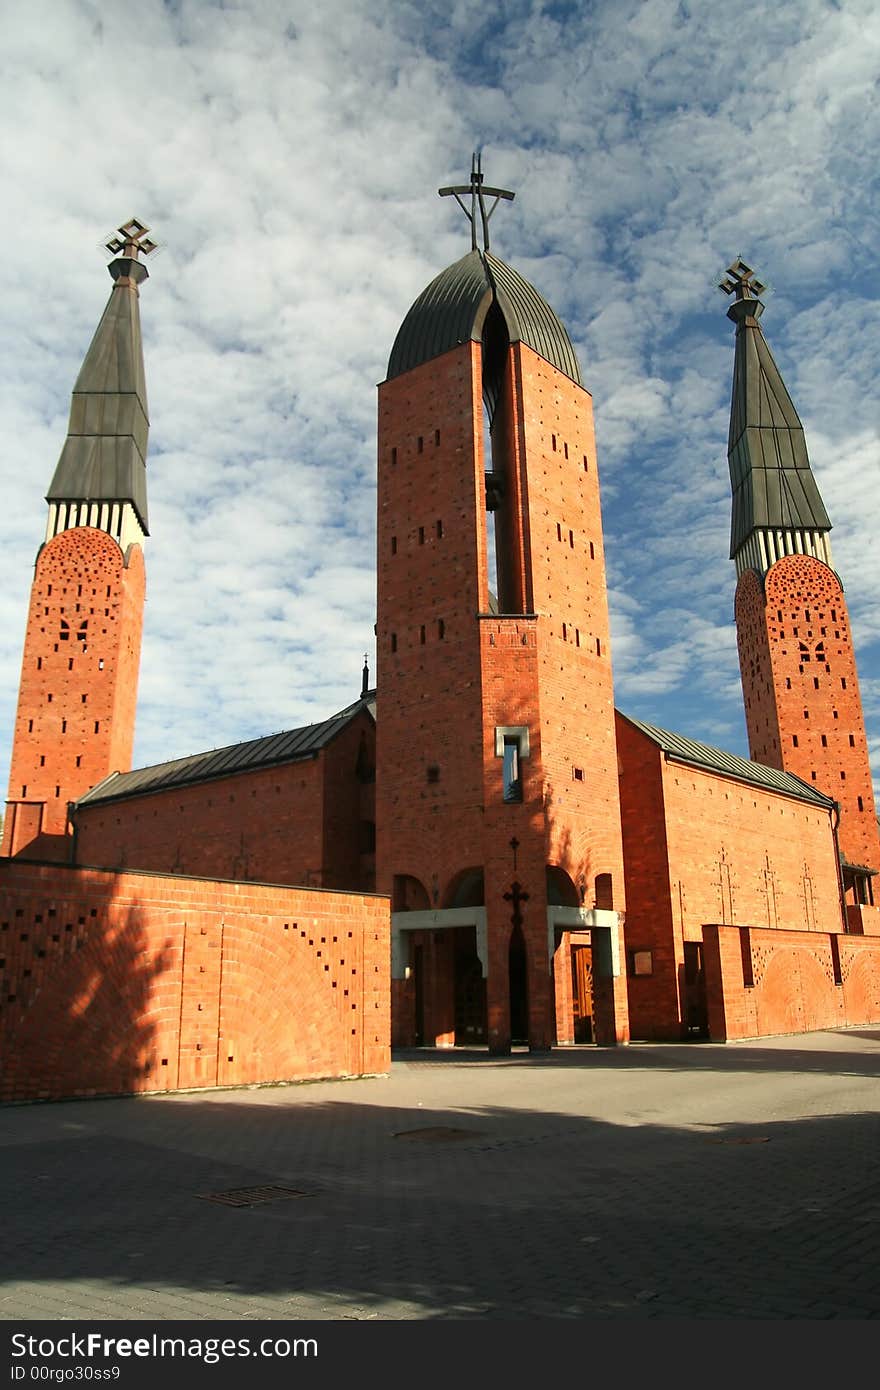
<point x="82" y="992"/>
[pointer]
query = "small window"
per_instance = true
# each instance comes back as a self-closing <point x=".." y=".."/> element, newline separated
<point x="511" y="774"/>
<point x="394" y="641"/>
<point x="420" y="443"/>
<point x="577" y="773"/>
<point x="439" y="530"/>
<point x="436" y="436"/>
<point x="421" y="535"/>
<point x="393" y="456"/>
<point x="393" y="545"/>
<point x="422" y="634"/>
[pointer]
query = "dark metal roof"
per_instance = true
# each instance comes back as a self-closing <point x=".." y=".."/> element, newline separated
<point x="294" y="745"/>
<point x="687" y="750"/>
<point x="104" y="456"/>
<point x="773" y="485"/>
<point x="454" y="306"/>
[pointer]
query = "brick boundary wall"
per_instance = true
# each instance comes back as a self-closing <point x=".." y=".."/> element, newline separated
<point x="119" y="983"/>
<point x="800" y="981"/>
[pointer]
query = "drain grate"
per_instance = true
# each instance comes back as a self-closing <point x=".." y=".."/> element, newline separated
<point x="745" y="1139"/>
<point x="251" y="1196"/>
<point x="440" y="1133"/>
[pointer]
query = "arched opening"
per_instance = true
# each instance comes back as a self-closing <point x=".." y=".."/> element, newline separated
<point x="518" y="978"/>
<point x="466" y="889"/>
<point x="504" y="531"/>
<point x="561" y="891"/>
<point x="605" y="892"/>
<point x="408" y="895"/>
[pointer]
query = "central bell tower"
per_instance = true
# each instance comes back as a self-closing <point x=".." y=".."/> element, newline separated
<point x="498" y="823"/>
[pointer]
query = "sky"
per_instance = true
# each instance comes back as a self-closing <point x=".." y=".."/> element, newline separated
<point x="287" y="157"/>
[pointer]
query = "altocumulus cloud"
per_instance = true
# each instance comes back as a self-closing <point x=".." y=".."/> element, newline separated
<point x="288" y="159"/>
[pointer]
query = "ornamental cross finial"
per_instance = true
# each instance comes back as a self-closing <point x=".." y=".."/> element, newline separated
<point x="741" y="280"/>
<point x="478" y="193"/>
<point x="130" y="239"/>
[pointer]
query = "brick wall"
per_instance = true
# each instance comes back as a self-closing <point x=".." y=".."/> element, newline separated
<point x="801" y="689"/>
<point x="76" y="707"/>
<point x="116" y="983"/>
<point x="297" y="823"/>
<point x="450" y="673"/>
<point x="706" y="849"/>
<point x="798" y="982"/>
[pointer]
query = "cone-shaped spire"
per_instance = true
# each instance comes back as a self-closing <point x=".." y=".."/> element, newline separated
<point x="777" y="508"/>
<point x="103" y="462"/>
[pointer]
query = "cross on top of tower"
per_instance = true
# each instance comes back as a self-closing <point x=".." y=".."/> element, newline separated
<point x="741" y="281"/>
<point x="478" y="192"/>
<point x="130" y="239"/>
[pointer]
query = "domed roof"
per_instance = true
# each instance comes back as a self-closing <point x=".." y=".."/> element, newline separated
<point x="454" y="306"/>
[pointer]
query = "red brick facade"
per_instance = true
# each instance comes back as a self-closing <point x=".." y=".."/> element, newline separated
<point x="711" y="859"/>
<point x="118" y="983"/>
<point x="453" y="677"/>
<point x="310" y="822"/>
<point x="801" y="689"/>
<point x="76" y="706"/>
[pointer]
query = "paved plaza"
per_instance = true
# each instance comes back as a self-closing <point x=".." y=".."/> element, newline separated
<point x="647" y="1182"/>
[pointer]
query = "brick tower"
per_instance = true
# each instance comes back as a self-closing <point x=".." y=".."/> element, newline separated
<point x="76" y="705"/>
<point x="498" y="823"/>
<point x="803" y="710"/>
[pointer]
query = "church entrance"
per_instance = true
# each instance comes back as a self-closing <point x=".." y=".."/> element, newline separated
<point x="517" y="963"/>
<point x="696" y="1014"/>
<point x="470" y="990"/>
<point x="582" y="992"/>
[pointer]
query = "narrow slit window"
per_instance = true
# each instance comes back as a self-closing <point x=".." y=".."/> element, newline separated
<point x="510" y="771"/>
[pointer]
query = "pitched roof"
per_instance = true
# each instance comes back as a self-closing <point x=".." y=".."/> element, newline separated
<point x="703" y="755"/>
<point x="293" y="745"/>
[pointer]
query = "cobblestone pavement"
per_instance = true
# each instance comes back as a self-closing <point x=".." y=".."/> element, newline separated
<point x="648" y="1182"/>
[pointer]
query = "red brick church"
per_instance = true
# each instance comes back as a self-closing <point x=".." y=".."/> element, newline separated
<point x="480" y="850"/>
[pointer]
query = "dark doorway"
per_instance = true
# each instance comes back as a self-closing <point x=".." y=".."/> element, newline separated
<point x="696" y="1015"/>
<point x="470" y="990"/>
<point x="582" y="992"/>
<point x="517" y="962"/>
<point x="419" y="981"/>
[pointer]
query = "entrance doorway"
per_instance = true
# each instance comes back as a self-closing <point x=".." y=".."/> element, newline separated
<point x="518" y="976"/>
<point x="582" y="992"/>
<point x="696" y="1014"/>
<point x="470" y="989"/>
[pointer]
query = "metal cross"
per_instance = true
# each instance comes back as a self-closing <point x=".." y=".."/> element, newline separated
<point x="478" y="191"/>
<point x="741" y="281"/>
<point x="130" y="239"/>
<point x="516" y="896"/>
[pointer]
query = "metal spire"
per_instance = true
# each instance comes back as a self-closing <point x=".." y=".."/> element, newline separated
<point x="478" y="192"/>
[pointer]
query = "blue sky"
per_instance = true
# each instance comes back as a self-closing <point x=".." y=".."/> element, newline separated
<point x="288" y="159"/>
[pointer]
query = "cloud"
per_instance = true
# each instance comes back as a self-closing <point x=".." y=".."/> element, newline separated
<point x="288" y="158"/>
